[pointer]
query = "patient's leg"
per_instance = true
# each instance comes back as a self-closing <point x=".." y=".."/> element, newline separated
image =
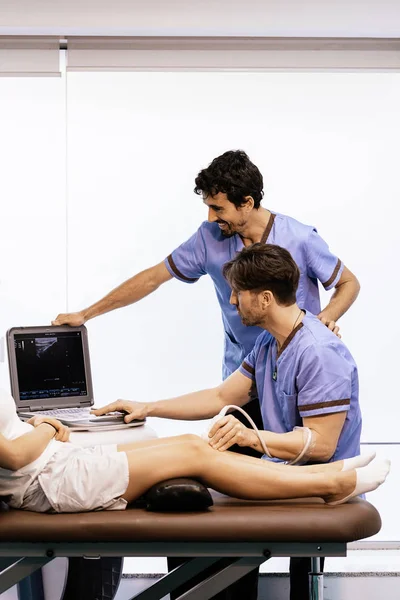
<point x="189" y="456"/>
<point x="338" y="465"/>
<point x="146" y="443"/>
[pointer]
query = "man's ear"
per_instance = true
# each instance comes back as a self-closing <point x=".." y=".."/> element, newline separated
<point x="267" y="298"/>
<point x="248" y="204"/>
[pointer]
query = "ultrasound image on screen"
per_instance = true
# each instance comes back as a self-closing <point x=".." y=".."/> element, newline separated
<point x="50" y="366"/>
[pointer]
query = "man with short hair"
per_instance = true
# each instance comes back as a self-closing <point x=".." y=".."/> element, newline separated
<point x="306" y="378"/>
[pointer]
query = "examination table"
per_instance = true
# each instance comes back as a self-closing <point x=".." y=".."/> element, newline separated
<point x="239" y="535"/>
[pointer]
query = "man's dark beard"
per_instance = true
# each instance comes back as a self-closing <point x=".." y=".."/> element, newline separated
<point x="250" y="321"/>
<point x="227" y="234"/>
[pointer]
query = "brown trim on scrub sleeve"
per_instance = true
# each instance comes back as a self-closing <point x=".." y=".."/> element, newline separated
<point x="177" y="271"/>
<point x="334" y="274"/>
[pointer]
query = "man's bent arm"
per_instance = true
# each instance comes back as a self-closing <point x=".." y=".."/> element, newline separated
<point x="132" y="290"/>
<point x="325" y="429"/>
<point x="17" y="453"/>
<point x="346" y="292"/>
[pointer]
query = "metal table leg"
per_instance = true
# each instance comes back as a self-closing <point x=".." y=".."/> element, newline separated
<point x="316" y="580"/>
<point x="31" y="588"/>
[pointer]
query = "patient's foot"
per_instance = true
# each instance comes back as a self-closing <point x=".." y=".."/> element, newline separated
<point x="362" y="460"/>
<point x="367" y="479"/>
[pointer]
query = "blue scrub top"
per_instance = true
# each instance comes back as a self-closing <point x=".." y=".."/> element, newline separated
<point x="208" y="250"/>
<point x="313" y="374"/>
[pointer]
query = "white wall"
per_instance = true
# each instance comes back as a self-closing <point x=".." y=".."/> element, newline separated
<point x="32" y="202"/>
<point x="289" y="18"/>
<point x="327" y="146"/>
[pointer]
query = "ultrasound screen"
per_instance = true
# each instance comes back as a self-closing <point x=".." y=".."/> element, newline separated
<point x="50" y="366"/>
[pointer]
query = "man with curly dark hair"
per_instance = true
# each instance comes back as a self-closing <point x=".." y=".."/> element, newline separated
<point x="232" y="190"/>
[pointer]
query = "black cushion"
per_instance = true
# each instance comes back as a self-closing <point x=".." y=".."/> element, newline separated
<point x="180" y="495"/>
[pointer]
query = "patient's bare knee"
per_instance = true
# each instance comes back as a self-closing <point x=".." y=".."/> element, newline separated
<point x="195" y="444"/>
<point x="190" y="438"/>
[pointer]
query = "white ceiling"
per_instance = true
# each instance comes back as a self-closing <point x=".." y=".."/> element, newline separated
<point x="282" y="18"/>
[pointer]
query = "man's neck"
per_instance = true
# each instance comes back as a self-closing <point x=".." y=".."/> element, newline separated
<point x="283" y="321"/>
<point x="255" y="226"/>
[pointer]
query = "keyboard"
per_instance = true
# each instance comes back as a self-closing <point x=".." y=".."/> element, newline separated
<point x="69" y="414"/>
<point x="79" y="416"/>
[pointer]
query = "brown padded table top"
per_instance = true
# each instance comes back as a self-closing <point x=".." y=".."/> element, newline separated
<point x="229" y="519"/>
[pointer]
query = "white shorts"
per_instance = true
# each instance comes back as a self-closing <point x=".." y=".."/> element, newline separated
<point x="80" y="479"/>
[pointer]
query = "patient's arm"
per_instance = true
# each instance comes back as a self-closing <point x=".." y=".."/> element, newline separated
<point x="15" y="454"/>
<point x="197" y="405"/>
